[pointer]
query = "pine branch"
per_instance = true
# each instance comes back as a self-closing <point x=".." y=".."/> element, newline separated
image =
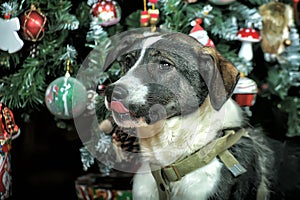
<point x="133" y="20"/>
<point x="24" y="88"/>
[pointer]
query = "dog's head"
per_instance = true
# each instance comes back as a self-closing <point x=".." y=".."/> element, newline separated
<point x="166" y="75"/>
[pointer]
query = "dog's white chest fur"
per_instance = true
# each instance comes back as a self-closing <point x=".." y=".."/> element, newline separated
<point x="175" y="142"/>
<point x="199" y="184"/>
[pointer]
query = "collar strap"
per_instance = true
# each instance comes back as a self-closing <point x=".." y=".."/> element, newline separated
<point x="200" y="158"/>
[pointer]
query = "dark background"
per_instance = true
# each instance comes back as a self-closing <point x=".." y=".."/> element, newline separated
<point x="46" y="159"/>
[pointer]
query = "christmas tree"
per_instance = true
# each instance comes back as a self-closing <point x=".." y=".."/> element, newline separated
<point x="48" y="40"/>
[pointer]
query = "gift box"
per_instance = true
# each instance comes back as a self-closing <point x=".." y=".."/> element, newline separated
<point x="115" y="186"/>
<point x="8" y="131"/>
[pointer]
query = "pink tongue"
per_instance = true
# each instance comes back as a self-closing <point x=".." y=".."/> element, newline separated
<point x="118" y="107"/>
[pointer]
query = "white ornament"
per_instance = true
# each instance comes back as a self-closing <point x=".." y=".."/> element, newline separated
<point x="9" y="38"/>
<point x="221" y="2"/>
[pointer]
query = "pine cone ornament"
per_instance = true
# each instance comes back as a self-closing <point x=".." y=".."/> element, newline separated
<point x="127" y="139"/>
<point x="123" y="137"/>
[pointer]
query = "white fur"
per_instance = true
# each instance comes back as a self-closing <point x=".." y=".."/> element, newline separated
<point x="137" y="90"/>
<point x="177" y="138"/>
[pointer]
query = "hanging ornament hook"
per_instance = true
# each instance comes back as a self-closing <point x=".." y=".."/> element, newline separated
<point x="68" y="68"/>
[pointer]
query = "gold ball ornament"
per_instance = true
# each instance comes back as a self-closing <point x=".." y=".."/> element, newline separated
<point x="287" y="42"/>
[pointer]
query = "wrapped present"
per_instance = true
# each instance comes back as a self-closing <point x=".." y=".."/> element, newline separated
<point x="115" y="186"/>
<point x="8" y="131"/>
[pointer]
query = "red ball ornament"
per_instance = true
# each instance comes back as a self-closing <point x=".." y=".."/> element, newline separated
<point x="106" y="12"/>
<point x="32" y="23"/>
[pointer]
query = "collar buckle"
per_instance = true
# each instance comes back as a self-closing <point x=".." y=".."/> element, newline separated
<point x="176" y="172"/>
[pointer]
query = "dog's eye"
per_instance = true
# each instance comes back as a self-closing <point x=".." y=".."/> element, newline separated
<point x="165" y="66"/>
<point x="129" y="60"/>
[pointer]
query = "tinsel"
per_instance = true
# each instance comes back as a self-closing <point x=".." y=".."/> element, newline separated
<point x="86" y="158"/>
<point x="91" y="2"/>
<point x="291" y="56"/>
<point x="70" y="22"/>
<point x="228" y="30"/>
<point x="97" y="35"/>
<point x="249" y="15"/>
<point x="9" y="7"/>
<point x="70" y="54"/>
<point x="104" y="143"/>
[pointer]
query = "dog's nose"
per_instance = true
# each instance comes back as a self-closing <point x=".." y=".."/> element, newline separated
<point x="119" y="92"/>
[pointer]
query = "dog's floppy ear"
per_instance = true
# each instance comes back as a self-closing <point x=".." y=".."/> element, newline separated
<point x="222" y="79"/>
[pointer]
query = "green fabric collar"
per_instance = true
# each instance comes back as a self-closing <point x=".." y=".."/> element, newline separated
<point x="200" y="158"/>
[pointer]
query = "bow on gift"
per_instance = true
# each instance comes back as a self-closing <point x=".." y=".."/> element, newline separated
<point x="8" y="128"/>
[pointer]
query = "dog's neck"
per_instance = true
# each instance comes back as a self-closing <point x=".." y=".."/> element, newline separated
<point x="167" y="141"/>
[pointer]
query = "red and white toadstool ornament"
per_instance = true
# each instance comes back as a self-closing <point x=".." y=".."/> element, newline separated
<point x="247" y="36"/>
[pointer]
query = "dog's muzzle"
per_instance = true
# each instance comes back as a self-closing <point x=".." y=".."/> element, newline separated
<point x="115" y="97"/>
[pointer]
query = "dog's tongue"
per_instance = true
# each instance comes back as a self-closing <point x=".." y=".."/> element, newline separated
<point x="118" y="107"/>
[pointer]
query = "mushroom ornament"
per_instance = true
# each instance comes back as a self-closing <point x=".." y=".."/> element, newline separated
<point x="247" y="36"/>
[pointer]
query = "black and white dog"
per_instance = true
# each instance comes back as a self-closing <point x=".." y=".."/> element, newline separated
<point x="176" y="93"/>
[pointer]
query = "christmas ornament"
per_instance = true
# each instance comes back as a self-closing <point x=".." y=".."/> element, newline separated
<point x="33" y="22"/>
<point x="277" y="18"/>
<point x="144" y="18"/>
<point x="154" y="16"/>
<point x="221" y="2"/>
<point x="245" y="91"/>
<point x="66" y="97"/>
<point x="191" y="1"/>
<point x="247" y="36"/>
<point x="100" y="89"/>
<point x="200" y="34"/>
<point x="149" y="16"/>
<point x="113" y="186"/>
<point x="9" y="9"/>
<point x="144" y="21"/>
<point x="8" y="131"/>
<point x="91" y="101"/>
<point x="9" y="38"/>
<point x="106" y="126"/>
<point x="106" y="12"/>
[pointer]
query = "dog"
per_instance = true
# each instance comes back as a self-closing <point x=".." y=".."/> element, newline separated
<point x="176" y="93"/>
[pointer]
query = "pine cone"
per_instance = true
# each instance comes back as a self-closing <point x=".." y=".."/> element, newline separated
<point x="127" y="139"/>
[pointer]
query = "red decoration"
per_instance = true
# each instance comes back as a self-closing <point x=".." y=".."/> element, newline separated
<point x="100" y="89"/>
<point x="245" y="92"/>
<point x="6" y="16"/>
<point x="106" y="12"/>
<point x="144" y="18"/>
<point x="8" y="131"/>
<point x="244" y="99"/>
<point x="154" y="16"/>
<point x="153" y="1"/>
<point x="33" y="22"/>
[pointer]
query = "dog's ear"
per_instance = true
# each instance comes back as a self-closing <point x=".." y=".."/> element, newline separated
<point x="222" y="79"/>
